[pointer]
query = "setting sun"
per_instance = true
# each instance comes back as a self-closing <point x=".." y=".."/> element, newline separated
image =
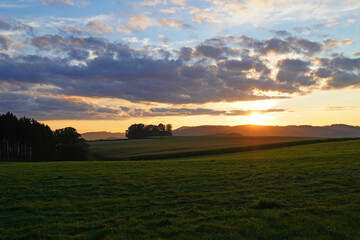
<point x="257" y="118"/>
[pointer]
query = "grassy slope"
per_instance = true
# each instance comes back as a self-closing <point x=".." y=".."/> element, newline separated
<point x="115" y="150"/>
<point x="314" y="187"/>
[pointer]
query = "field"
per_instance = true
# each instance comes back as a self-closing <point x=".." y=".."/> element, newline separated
<point x="164" y="147"/>
<point x="300" y="192"/>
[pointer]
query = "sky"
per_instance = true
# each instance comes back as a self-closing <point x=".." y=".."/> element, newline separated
<point x="104" y="65"/>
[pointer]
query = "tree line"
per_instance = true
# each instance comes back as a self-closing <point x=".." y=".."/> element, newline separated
<point x="137" y="131"/>
<point x="28" y="140"/>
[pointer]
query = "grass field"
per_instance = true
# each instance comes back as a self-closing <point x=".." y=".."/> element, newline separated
<point x="300" y="192"/>
<point x="157" y="147"/>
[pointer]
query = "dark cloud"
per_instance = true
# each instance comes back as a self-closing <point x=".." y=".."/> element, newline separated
<point x="342" y="79"/>
<point x="280" y="46"/>
<point x="59" y="108"/>
<point x="305" y="46"/>
<point x="16" y="25"/>
<point x="340" y="72"/>
<point x="57" y="42"/>
<point x="295" y="72"/>
<point x="209" y="72"/>
<point x="345" y="63"/>
<point x="215" y="52"/>
<point x="323" y="73"/>
<point x="237" y="65"/>
<point x="12" y="25"/>
<point x="281" y="33"/>
<point x="50" y="108"/>
<point x="294" y="65"/>
<point x="121" y="72"/>
<point x="156" y="112"/>
<point x="4" y="25"/>
<point x="186" y="53"/>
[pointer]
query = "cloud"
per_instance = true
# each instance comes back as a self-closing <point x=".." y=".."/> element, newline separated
<point x="132" y="75"/>
<point x="204" y="16"/>
<point x="136" y="24"/>
<point x="162" y="112"/>
<point x="172" y="10"/>
<point x="4" y="25"/>
<point x="340" y="72"/>
<point x="53" y="108"/>
<point x="329" y="107"/>
<point x="163" y="38"/>
<point x="275" y="46"/>
<point x="98" y="27"/>
<point x="73" y="29"/>
<point x="60" y="108"/>
<point x="55" y="42"/>
<point x="295" y="73"/>
<point x="212" y="71"/>
<point x="5" y="42"/>
<point x="57" y="2"/>
<point x="179" y="2"/>
<point x="236" y="65"/>
<point x="2" y="5"/>
<point x="152" y="3"/>
<point x="216" y="52"/>
<point x="16" y="26"/>
<point x="281" y="33"/>
<point x="264" y="12"/>
<point x="331" y="43"/>
<point x="173" y="23"/>
<point x="70" y="3"/>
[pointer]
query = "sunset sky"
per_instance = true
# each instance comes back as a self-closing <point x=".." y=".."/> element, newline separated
<point x="103" y="65"/>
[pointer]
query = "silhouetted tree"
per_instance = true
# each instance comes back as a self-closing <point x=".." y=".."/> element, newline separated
<point x="70" y="145"/>
<point x="137" y="131"/>
<point x="28" y="140"/>
<point x="25" y="139"/>
<point x="168" y="130"/>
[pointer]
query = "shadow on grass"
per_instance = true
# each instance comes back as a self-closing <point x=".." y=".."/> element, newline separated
<point x="268" y="204"/>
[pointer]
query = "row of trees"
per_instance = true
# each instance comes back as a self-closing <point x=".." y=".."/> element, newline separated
<point x="28" y="140"/>
<point x="137" y="131"/>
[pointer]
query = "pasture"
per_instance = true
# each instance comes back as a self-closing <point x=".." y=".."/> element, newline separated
<point x="163" y="147"/>
<point x="298" y="192"/>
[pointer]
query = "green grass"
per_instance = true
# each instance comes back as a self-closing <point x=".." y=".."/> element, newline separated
<point x="300" y="192"/>
<point x="168" y="147"/>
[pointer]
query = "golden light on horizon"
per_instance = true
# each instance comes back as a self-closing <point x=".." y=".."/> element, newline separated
<point x="257" y="118"/>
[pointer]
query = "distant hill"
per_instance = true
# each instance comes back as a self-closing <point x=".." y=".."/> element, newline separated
<point x="336" y="130"/>
<point x="102" y="135"/>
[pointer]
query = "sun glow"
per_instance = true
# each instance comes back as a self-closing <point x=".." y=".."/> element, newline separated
<point x="257" y="118"/>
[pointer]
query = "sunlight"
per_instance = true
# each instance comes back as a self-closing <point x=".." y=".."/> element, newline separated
<point x="262" y="104"/>
<point x="257" y="118"/>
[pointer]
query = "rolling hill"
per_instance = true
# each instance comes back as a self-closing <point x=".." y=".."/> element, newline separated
<point x="102" y="135"/>
<point x="332" y="131"/>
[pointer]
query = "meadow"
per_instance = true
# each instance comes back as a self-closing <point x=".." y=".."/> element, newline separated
<point x="167" y="147"/>
<point x="299" y="192"/>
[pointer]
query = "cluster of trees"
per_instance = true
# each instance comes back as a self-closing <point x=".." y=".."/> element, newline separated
<point x="28" y="140"/>
<point x="137" y="131"/>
